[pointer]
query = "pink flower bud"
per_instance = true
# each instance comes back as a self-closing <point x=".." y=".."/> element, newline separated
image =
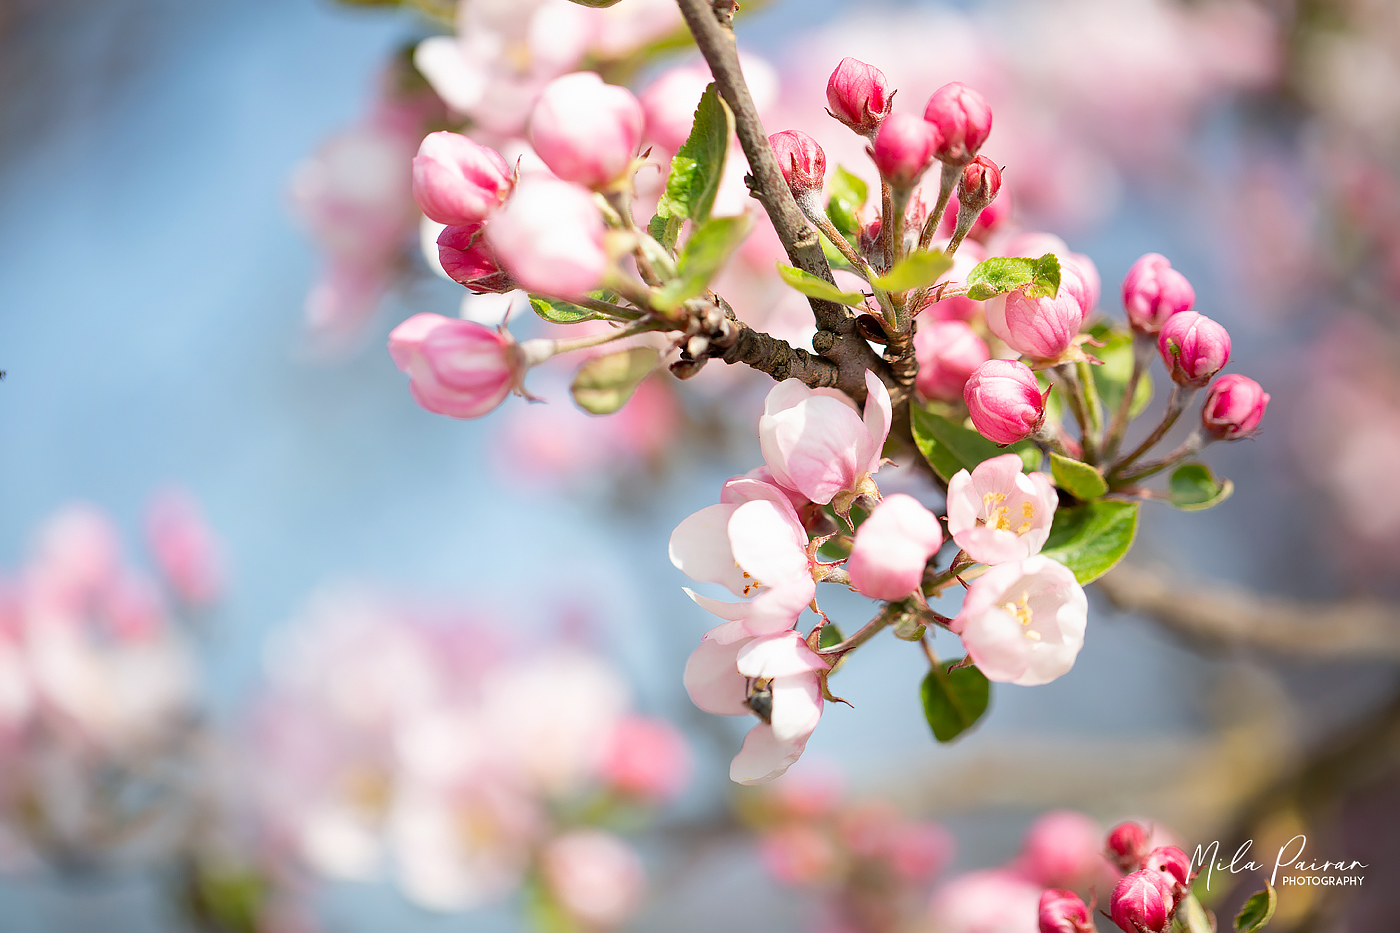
<point x="981" y="180"/>
<point x="891" y="548"/>
<point x="1062" y="847"/>
<point x="1043" y="328"/>
<point x="858" y="95"/>
<point x="1234" y="407"/>
<point x="1005" y="401"/>
<point x="586" y="131"/>
<point x="904" y="148"/>
<point x="184" y="547"/>
<point x="964" y="120"/>
<point x="456" y="368"/>
<point x="1153" y="291"/>
<point x="948" y="353"/>
<point x="457" y="181"/>
<point x="469" y="261"/>
<point x="1193" y="347"/>
<point x="549" y="236"/>
<point x="1127" y="845"/>
<point x="802" y="160"/>
<point x="646" y="758"/>
<point x="669" y="103"/>
<point x="1169" y="861"/>
<point x="1063" y="912"/>
<point x="1143" y="903"/>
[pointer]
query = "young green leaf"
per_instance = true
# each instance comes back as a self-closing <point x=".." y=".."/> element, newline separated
<point x="703" y="255"/>
<point x="813" y="287"/>
<point x="914" y="271"/>
<point x="695" y="170"/>
<point x="1090" y="538"/>
<point x="831" y="635"/>
<point x="1037" y="278"/>
<point x="954" y="700"/>
<point x="1193" y="487"/>
<point x="558" y="311"/>
<point x="1078" y="479"/>
<point x="605" y="383"/>
<point x="950" y="447"/>
<point x="845" y="197"/>
<point x="1257" y="911"/>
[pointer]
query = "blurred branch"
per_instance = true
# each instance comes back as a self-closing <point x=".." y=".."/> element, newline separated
<point x="1219" y="616"/>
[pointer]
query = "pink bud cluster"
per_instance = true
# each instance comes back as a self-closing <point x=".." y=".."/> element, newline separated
<point x="1157" y="880"/>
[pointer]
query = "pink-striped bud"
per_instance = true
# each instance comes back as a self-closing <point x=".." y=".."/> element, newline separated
<point x="1193" y="347"/>
<point x="1005" y="401"/>
<point x="1234" y="407"/>
<point x="1169" y="861"/>
<point x="457" y="181"/>
<point x="963" y="119"/>
<point x="948" y="353"/>
<point x="981" y="180"/>
<point x="1041" y="328"/>
<point x="549" y="236"/>
<point x="802" y="160"/>
<point x="858" y="95"/>
<point x="904" y="148"/>
<point x="468" y="260"/>
<point x="1153" y="291"/>
<point x="456" y="368"/>
<point x="1062" y="911"/>
<point x="1143" y="903"/>
<point x="586" y="131"/>
<point x="1127" y="846"/>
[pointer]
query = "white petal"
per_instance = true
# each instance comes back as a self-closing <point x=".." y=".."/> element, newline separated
<point x="700" y="548"/>
<point x="778" y="656"/>
<point x="766" y="539"/>
<point x="878" y="416"/>
<point x="714" y="682"/>
<point x="763" y="757"/>
<point x="797" y="707"/>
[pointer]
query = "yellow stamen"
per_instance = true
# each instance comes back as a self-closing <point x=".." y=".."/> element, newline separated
<point x="1021" y="611"/>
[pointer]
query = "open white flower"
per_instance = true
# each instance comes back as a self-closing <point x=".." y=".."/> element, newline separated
<point x="1023" y="622"/>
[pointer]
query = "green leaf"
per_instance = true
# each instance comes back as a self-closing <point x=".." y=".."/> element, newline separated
<point x="1191" y="917"/>
<point x="954" y="700"/>
<point x="1193" y="487"/>
<point x="1112" y="377"/>
<point x="556" y="311"/>
<point x="831" y="635"/>
<point x="1090" y="538"/>
<point x="695" y="170"/>
<point x="914" y="271"/>
<point x="950" y="447"/>
<point x="703" y="255"/>
<point x="1036" y="278"/>
<point x="1078" y="479"/>
<point x="1257" y="911"/>
<point x="846" y="195"/>
<point x="604" y="384"/>
<point x="813" y="287"/>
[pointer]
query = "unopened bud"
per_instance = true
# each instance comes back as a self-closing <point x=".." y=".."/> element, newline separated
<point x="1062" y="911"/>
<point x="802" y="160"/>
<point x="1153" y="291"/>
<point x="1143" y="902"/>
<point x="1234" y="407"/>
<point x="469" y="261"/>
<point x="964" y="120"/>
<point x="948" y="352"/>
<point x="1194" y="348"/>
<point x="858" y="95"/>
<point x="1170" y="861"/>
<point x="458" y="181"/>
<point x="456" y="368"/>
<point x="586" y="131"/>
<point x="981" y="180"/>
<point x="1004" y="401"/>
<point x="904" y="148"/>
<point x="1127" y="846"/>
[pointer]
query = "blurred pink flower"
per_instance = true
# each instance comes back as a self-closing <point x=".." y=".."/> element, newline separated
<point x="594" y="876"/>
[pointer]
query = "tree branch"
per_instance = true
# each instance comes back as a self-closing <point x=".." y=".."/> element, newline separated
<point x="710" y="23"/>
<point x="721" y="335"/>
<point x="1223" y="617"/>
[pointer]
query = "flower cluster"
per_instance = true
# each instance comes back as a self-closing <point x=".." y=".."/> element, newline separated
<point x="466" y="766"/>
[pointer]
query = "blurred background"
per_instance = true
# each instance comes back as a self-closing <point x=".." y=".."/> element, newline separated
<point x="281" y="651"/>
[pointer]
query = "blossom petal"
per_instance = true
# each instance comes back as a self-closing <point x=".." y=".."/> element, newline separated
<point x="797" y="707"/>
<point x="768" y="541"/>
<point x="878" y="416"/>
<point x="763" y="757"/>
<point x="700" y="548"/>
<point x="780" y="656"/>
<point x="713" y="680"/>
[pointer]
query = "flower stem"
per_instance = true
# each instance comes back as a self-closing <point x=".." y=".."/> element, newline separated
<point x="1142" y="358"/>
<point x="867" y="632"/>
<point x="1074" y="392"/>
<point x="947" y="184"/>
<point x="1181" y="397"/>
<point x="1189" y="447"/>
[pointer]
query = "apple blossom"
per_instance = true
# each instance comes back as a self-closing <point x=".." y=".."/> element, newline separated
<point x="777" y="679"/>
<point x="1171" y="862"/>
<point x="1127" y="845"/>
<point x="858" y="95"/>
<point x="1062" y="911"/>
<point x="1023" y="621"/>
<point x="469" y="261"/>
<point x="586" y="131"/>
<point x="1062" y="848"/>
<point x="1143" y="903"/>
<point x="594" y="876"/>
<point x="458" y="181"/>
<point x="892" y="546"/>
<point x="184" y="547"/>
<point x="456" y="368"/>
<point x="1041" y="328"/>
<point x="549" y="236"/>
<point x="1193" y="347"/>
<point x="990" y="901"/>
<point x="646" y="758"/>
<point x="1005" y="402"/>
<point x="801" y="159"/>
<point x="669" y="103"/>
<point x="1153" y="291"/>
<point x="963" y="119"/>
<point x="949" y="352"/>
<point x="998" y="513"/>
<point x="979" y="184"/>
<point x="1234" y="407"/>
<point x="904" y="149"/>
<point x="814" y="442"/>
